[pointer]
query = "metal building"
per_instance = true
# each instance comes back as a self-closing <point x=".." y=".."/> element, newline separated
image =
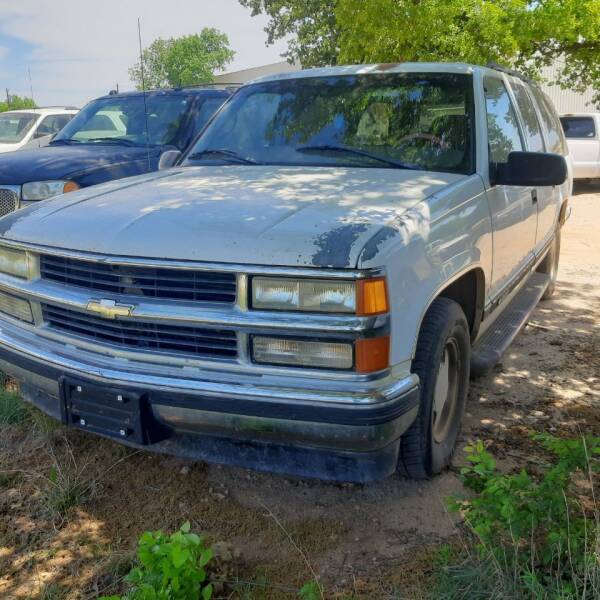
<point x="567" y="101"/>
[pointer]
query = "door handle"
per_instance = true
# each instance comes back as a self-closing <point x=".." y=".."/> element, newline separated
<point x="534" y="197"/>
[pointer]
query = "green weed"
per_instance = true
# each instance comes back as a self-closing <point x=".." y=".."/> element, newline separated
<point x="13" y="409"/>
<point x="171" y="567"/>
<point x="535" y="537"/>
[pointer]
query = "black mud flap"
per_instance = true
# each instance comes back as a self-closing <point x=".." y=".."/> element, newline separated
<point x="110" y="412"/>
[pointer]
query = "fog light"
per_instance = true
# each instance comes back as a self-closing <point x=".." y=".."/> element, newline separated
<point x="300" y="353"/>
<point x="16" y="307"/>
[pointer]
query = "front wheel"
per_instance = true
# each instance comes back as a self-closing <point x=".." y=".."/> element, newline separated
<point x="442" y="364"/>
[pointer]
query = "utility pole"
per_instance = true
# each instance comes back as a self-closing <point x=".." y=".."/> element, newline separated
<point x="7" y="98"/>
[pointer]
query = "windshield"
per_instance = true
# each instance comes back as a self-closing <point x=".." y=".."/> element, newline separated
<point x="406" y="120"/>
<point x="123" y="120"/>
<point x="15" y="126"/>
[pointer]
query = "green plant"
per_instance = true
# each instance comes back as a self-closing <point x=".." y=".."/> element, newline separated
<point x="66" y="485"/>
<point x="13" y="409"/>
<point x="311" y="591"/>
<point x="536" y="528"/>
<point x="171" y="567"/>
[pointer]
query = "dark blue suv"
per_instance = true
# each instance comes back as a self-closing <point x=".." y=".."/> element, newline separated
<point x="115" y="136"/>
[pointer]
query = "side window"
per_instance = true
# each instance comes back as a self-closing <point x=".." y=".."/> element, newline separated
<point x="503" y="128"/>
<point x="556" y="140"/>
<point x="582" y="128"/>
<point x="533" y="129"/>
<point x="52" y="124"/>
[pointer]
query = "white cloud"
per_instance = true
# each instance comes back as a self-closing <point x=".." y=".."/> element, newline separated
<point x="81" y="49"/>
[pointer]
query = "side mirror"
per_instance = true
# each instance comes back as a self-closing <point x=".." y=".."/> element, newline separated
<point x="532" y="169"/>
<point x="168" y="159"/>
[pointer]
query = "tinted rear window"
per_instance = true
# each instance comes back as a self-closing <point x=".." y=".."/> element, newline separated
<point x="578" y="127"/>
<point x="551" y="123"/>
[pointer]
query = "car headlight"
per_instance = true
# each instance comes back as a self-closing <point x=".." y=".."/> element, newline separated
<point x="363" y="355"/>
<point x="42" y="190"/>
<point x="301" y="353"/>
<point x="14" y="262"/>
<point x="362" y="297"/>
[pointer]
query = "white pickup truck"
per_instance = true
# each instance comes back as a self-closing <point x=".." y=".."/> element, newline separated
<point x="582" y="131"/>
<point x="309" y="288"/>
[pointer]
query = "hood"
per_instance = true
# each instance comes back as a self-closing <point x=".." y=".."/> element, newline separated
<point x="67" y="162"/>
<point x="262" y="215"/>
<point x="9" y="148"/>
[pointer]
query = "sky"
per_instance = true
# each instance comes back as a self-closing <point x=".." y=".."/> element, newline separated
<point x="77" y="50"/>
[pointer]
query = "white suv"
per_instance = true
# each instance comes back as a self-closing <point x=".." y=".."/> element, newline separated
<point x="308" y="290"/>
<point x="32" y="127"/>
<point x="582" y="131"/>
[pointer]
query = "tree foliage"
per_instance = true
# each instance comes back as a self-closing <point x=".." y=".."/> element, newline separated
<point x="188" y="60"/>
<point x="525" y="34"/>
<point x="17" y="103"/>
<point x="309" y="25"/>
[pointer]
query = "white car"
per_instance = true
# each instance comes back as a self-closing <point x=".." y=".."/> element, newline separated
<point x="582" y="131"/>
<point x="32" y="127"/>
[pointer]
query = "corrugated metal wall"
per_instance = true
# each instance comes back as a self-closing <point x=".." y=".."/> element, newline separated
<point x="567" y="101"/>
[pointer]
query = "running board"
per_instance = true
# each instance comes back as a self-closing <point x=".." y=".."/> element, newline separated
<point x="488" y="349"/>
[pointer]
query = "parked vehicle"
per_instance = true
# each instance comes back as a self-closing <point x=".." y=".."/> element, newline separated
<point x="308" y="290"/>
<point x="116" y="136"/>
<point x="32" y="127"/>
<point x="582" y="131"/>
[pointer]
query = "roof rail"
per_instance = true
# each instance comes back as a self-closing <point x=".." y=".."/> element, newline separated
<point x="58" y="106"/>
<point x="503" y="69"/>
<point x="215" y="85"/>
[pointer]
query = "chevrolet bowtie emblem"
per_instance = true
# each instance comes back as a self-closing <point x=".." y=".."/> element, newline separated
<point x="109" y="309"/>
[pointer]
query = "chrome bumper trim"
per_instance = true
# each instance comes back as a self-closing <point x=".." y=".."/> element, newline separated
<point x="216" y="382"/>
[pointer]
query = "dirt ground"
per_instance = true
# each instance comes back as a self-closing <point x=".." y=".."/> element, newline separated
<point x="274" y="533"/>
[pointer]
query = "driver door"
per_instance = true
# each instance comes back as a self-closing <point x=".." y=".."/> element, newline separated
<point x="513" y="209"/>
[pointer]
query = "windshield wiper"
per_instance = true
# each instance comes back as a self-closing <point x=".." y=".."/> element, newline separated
<point x="65" y="141"/>
<point x="230" y="155"/>
<point x="113" y="140"/>
<point x="324" y="149"/>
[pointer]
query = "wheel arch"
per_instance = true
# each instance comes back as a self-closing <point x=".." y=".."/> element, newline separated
<point x="467" y="289"/>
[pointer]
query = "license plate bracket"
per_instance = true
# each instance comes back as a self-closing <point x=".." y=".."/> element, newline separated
<point x="107" y="411"/>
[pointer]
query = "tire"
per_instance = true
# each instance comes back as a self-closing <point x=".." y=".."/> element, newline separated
<point x="550" y="266"/>
<point x="442" y="356"/>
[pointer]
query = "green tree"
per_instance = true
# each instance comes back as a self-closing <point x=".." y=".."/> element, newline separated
<point x="16" y="103"/>
<point x="524" y="34"/>
<point x="188" y="60"/>
<point x="309" y="26"/>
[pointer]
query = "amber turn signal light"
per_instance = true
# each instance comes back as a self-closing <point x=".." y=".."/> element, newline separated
<point x="371" y="297"/>
<point x="372" y="354"/>
<point x="70" y="186"/>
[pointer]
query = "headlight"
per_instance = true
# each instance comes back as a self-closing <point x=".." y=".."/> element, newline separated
<point x="14" y="262"/>
<point x="363" y="297"/>
<point x="364" y="355"/>
<point x="300" y="353"/>
<point x="41" y="190"/>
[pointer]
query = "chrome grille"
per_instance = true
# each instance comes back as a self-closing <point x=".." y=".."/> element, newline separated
<point x="141" y="335"/>
<point x="9" y="201"/>
<point x="152" y="282"/>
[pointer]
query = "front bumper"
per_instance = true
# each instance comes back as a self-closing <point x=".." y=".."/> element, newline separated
<point x="284" y="425"/>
